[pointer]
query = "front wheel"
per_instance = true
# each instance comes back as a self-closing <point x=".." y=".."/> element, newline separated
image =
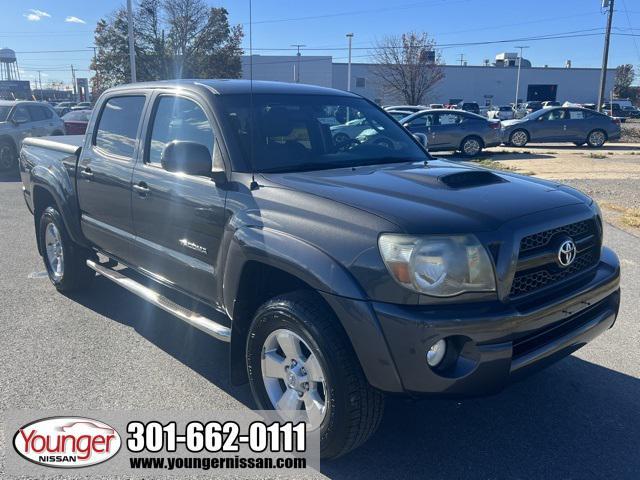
<point x="64" y="260"/>
<point x="596" y="138"/>
<point x="300" y="359"/>
<point x="519" y="138"/>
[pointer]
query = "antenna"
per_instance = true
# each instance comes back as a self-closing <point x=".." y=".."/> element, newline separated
<point x="254" y="185"/>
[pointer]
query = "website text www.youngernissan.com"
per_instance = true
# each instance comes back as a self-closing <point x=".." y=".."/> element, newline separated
<point x="250" y="443"/>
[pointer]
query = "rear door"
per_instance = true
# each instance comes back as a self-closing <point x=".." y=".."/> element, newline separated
<point x="104" y="174"/>
<point x="178" y="218"/>
<point x="450" y="129"/>
<point x="577" y="124"/>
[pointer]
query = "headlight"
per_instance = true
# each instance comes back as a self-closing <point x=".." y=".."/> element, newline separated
<point x="441" y="266"/>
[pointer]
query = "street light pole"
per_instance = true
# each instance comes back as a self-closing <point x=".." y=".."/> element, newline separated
<point x="350" y="37"/>
<point x="515" y="106"/>
<point x="132" y="50"/>
<point x="605" y="56"/>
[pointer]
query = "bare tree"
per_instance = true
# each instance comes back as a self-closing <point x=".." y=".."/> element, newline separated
<point x="408" y="65"/>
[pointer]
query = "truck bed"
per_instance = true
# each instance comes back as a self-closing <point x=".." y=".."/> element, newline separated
<point x="65" y="143"/>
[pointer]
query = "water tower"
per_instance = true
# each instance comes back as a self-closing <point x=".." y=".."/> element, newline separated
<point x="8" y="65"/>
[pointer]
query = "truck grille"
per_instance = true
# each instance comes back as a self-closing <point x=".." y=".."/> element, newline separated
<point x="586" y="237"/>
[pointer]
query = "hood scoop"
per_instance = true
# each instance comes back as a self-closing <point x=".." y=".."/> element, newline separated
<point x="470" y="179"/>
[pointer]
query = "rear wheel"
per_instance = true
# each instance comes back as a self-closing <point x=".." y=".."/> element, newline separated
<point x="299" y="358"/>
<point x="596" y="138"/>
<point x="8" y="156"/>
<point x="64" y="260"/>
<point x="519" y="138"/>
<point x="471" y="146"/>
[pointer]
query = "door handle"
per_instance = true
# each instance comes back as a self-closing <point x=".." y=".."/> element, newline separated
<point x="142" y="188"/>
<point x="86" y="173"/>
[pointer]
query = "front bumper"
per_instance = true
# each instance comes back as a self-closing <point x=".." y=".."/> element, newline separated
<point x="494" y="344"/>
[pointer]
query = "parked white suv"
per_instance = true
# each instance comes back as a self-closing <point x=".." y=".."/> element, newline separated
<point x="21" y="119"/>
<point x="504" y="112"/>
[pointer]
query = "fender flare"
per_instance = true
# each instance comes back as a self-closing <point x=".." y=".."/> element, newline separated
<point x="59" y="186"/>
<point x="324" y="274"/>
<point x="290" y="254"/>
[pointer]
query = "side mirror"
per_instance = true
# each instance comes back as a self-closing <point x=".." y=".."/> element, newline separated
<point x="422" y="138"/>
<point x="187" y="157"/>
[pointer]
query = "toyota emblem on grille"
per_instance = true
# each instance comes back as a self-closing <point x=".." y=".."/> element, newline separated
<point x="567" y="253"/>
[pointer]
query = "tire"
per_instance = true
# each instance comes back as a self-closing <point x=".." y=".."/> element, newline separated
<point x="596" y="138"/>
<point x="519" y="138"/>
<point x="351" y="408"/>
<point x="8" y="156"/>
<point x="471" y="146"/>
<point x="64" y="260"/>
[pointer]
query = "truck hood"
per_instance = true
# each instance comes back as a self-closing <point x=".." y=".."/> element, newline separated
<point x="441" y="198"/>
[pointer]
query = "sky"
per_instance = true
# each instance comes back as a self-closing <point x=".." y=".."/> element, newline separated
<point x="51" y="35"/>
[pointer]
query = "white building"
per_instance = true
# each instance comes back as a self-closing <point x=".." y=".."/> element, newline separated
<point x="491" y="84"/>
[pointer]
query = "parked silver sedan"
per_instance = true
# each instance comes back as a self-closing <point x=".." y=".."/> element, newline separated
<point x="561" y="124"/>
<point x="21" y="119"/>
<point x="455" y="130"/>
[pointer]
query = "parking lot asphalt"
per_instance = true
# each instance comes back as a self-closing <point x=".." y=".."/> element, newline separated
<point x="107" y="350"/>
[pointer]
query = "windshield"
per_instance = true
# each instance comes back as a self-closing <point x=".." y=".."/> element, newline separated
<point x="315" y="132"/>
<point x="4" y="112"/>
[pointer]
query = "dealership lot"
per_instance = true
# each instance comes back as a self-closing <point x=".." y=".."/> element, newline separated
<point x="107" y="350"/>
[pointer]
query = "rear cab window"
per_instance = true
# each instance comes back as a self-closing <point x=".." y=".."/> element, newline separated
<point x="117" y="127"/>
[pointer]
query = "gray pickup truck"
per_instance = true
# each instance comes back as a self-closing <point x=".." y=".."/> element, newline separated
<point x="337" y="270"/>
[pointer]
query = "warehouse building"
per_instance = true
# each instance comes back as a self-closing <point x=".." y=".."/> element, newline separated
<point x="489" y="84"/>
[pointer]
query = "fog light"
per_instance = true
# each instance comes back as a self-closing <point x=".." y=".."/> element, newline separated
<point x="436" y="353"/>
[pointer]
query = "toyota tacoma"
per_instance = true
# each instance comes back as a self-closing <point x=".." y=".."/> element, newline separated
<point x="338" y="269"/>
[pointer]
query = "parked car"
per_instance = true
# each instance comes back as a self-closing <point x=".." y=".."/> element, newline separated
<point x="63" y="108"/>
<point x="76" y="121"/>
<point x="455" y="130"/>
<point x="409" y="108"/>
<point x="560" y="124"/>
<point x="399" y="114"/>
<point x="434" y="106"/>
<point x="631" y="112"/>
<point x="504" y="112"/>
<point x="533" y="106"/>
<point x="349" y="130"/>
<point x="472" y="107"/>
<point x="82" y="106"/>
<point x="550" y="103"/>
<point x="336" y="273"/>
<point x="21" y="119"/>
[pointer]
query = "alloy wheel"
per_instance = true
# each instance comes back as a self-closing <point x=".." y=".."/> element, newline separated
<point x="597" y="138"/>
<point x="519" y="138"/>
<point x="471" y="147"/>
<point x="293" y="377"/>
<point x="55" y="254"/>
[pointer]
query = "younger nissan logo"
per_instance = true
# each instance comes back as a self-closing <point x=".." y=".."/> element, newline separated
<point x="566" y="253"/>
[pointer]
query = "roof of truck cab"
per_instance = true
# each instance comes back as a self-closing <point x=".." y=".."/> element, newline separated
<point x="230" y="87"/>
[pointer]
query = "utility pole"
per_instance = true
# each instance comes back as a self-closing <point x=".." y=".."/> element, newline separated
<point x="299" y="46"/>
<point x="605" y="53"/>
<point x="518" y="76"/>
<point x="73" y="84"/>
<point x="461" y="55"/>
<point x="96" y="81"/>
<point x="132" y="50"/>
<point x="40" y="81"/>
<point x="350" y="37"/>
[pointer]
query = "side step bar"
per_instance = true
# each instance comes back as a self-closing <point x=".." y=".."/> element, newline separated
<point x="193" y="318"/>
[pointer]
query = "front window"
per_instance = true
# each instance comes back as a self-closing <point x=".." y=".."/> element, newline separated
<point x="315" y="132"/>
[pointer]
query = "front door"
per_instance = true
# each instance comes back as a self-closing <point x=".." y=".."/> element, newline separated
<point x="179" y="218"/>
<point x="549" y="127"/>
<point x="104" y="175"/>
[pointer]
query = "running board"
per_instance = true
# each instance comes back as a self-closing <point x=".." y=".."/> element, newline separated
<point x="192" y="318"/>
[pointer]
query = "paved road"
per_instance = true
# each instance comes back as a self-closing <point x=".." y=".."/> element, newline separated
<point x="108" y="350"/>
